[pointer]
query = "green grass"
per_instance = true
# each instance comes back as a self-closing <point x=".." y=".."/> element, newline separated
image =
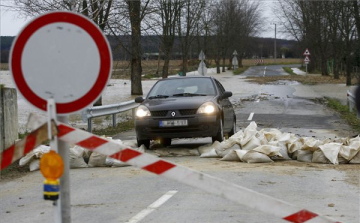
<point x="289" y="70"/>
<point x="343" y="110"/>
<point x="111" y="131"/>
<point x="240" y="70"/>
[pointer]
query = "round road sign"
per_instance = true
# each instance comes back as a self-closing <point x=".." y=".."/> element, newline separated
<point x="64" y="56"/>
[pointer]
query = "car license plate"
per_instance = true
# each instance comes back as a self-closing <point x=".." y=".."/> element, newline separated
<point x="172" y="123"/>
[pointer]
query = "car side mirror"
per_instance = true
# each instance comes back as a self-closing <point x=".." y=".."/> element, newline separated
<point x="139" y="99"/>
<point x="226" y="94"/>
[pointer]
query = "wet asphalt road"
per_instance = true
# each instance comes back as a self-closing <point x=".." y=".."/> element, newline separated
<point x="273" y="70"/>
<point x="120" y="194"/>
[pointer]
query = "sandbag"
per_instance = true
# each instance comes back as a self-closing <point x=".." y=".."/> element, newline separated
<point x="331" y="151"/>
<point x="256" y="157"/>
<point x="304" y="155"/>
<point x="208" y="150"/>
<point x="222" y="151"/>
<point x="115" y="163"/>
<point x="249" y="132"/>
<point x="348" y="152"/>
<point x="251" y="144"/>
<point x="268" y="150"/>
<point x="310" y="143"/>
<point x="293" y="146"/>
<point x="231" y="156"/>
<point x="241" y="154"/>
<point x="319" y="157"/>
<point x="76" y="156"/>
<point x="34" y="154"/>
<point x="34" y="165"/>
<point x="283" y="150"/>
<point x="272" y="135"/>
<point x="97" y="160"/>
<point x="355" y="159"/>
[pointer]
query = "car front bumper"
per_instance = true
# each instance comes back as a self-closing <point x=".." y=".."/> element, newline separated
<point x="198" y="126"/>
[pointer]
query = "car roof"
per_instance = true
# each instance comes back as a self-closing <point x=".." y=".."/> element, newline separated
<point x="185" y="77"/>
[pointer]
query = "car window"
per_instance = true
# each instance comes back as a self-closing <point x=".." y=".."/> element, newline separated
<point x="183" y="86"/>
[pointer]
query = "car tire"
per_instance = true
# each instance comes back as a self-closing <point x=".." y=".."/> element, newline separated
<point x="220" y="135"/>
<point x="145" y="142"/>
<point x="165" y="141"/>
<point x="233" y="130"/>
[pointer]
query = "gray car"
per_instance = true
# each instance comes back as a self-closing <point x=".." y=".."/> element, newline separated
<point x="184" y="107"/>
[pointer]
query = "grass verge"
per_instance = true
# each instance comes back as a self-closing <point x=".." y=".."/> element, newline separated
<point x="120" y="127"/>
<point x="343" y="110"/>
<point x="240" y="70"/>
<point x="289" y="70"/>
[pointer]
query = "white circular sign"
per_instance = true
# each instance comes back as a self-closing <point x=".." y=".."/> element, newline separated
<point x="64" y="56"/>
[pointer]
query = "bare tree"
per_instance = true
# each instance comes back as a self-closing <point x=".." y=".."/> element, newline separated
<point x="188" y="19"/>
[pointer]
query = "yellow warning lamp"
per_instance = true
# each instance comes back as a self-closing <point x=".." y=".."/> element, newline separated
<point x="51" y="167"/>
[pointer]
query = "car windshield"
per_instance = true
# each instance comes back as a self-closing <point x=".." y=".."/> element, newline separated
<point x="182" y="87"/>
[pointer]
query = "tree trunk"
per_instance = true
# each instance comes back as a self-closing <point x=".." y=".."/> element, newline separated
<point x="165" y="71"/>
<point x="217" y="61"/>
<point x="348" y="71"/>
<point x="336" y="70"/>
<point x="223" y="65"/>
<point x="136" y="69"/>
<point x="185" y="65"/>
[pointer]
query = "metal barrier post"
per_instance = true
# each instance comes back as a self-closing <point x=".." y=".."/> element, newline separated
<point x="89" y="125"/>
<point x="114" y="120"/>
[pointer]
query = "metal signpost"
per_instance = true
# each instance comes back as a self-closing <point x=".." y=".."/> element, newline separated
<point x="202" y="70"/>
<point x="60" y="63"/>
<point x="307" y="59"/>
<point x="235" y="62"/>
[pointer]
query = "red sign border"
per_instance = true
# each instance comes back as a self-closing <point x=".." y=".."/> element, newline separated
<point x="100" y="41"/>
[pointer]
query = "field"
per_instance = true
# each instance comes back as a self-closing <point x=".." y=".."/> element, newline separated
<point x="121" y="69"/>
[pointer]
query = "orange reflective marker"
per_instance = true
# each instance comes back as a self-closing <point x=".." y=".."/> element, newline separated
<point x="51" y="165"/>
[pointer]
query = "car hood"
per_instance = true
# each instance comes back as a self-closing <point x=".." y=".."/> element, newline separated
<point x="176" y="102"/>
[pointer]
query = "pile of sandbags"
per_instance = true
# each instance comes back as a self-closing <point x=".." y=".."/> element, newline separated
<point x="79" y="157"/>
<point x="253" y="146"/>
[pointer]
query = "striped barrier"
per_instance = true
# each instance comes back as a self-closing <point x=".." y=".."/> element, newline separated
<point x="153" y="164"/>
<point x="259" y="61"/>
<point x="24" y="146"/>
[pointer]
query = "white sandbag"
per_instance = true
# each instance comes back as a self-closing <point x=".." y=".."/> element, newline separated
<point x="114" y="162"/>
<point x="272" y="135"/>
<point x="331" y="151"/>
<point x="34" y="154"/>
<point x="293" y="146"/>
<point x="348" y="152"/>
<point x="224" y="148"/>
<point x="319" y="157"/>
<point x="249" y="132"/>
<point x="355" y="159"/>
<point x="251" y="144"/>
<point x="231" y="156"/>
<point x="304" y="155"/>
<point x="34" y="165"/>
<point x="268" y="150"/>
<point x="256" y="157"/>
<point x="310" y="143"/>
<point x="76" y="156"/>
<point x="208" y="150"/>
<point x="97" y="160"/>
<point x="283" y="150"/>
<point x="130" y="143"/>
<point x="241" y="153"/>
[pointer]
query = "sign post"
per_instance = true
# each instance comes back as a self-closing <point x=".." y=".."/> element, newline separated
<point x="235" y="61"/>
<point x="65" y="58"/>
<point x="202" y="70"/>
<point x="307" y="59"/>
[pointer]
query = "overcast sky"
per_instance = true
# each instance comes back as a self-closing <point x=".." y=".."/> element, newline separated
<point x="11" y="24"/>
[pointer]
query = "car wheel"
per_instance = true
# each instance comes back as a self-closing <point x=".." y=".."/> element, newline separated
<point x="145" y="142"/>
<point x="233" y="130"/>
<point x="165" y="141"/>
<point x="220" y="135"/>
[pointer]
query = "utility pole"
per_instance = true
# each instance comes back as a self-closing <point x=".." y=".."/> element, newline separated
<point x="275" y="45"/>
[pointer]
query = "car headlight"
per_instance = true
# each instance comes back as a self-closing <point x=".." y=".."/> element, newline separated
<point x="207" y="108"/>
<point x="142" y="111"/>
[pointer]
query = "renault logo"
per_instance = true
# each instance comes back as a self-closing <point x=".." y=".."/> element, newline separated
<point x="173" y="114"/>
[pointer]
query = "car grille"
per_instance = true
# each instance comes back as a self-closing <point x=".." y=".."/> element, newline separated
<point x="165" y="112"/>
<point x="159" y="113"/>
<point x="188" y="111"/>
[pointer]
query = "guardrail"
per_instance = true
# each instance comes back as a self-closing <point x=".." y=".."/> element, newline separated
<point x="352" y="103"/>
<point x="113" y="109"/>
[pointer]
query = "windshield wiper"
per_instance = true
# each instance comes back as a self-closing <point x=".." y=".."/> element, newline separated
<point x="188" y="95"/>
<point x="159" y="96"/>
